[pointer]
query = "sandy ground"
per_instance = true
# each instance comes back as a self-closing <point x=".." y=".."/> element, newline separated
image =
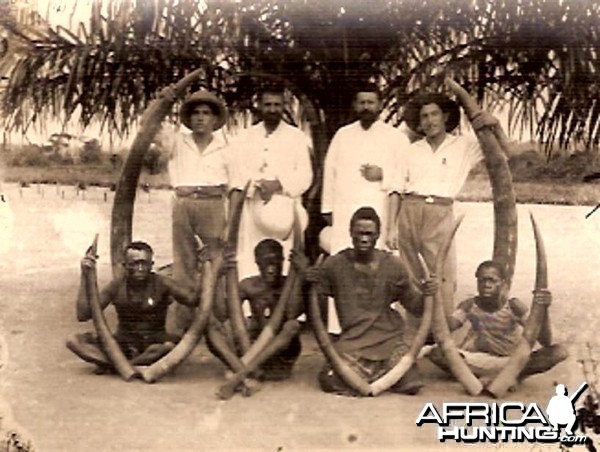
<point x="66" y="407"/>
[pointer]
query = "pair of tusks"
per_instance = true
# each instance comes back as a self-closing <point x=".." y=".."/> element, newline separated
<point x="273" y="338"/>
<point x="177" y="355"/>
<point x="493" y="146"/>
<point x="392" y="376"/>
<point x="441" y="331"/>
<point x="518" y="359"/>
<point x="505" y="246"/>
<point x="123" y="205"/>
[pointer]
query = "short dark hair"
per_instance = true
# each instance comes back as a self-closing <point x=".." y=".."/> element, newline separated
<point x="438" y="99"/>
<point x="272" y="88"/>
<point x="366" y="213"/>
<point x="139" y="246"/>
<point x="491" y="264"/>
<point x="366" y="87"/>
<point x="268" y="246"/>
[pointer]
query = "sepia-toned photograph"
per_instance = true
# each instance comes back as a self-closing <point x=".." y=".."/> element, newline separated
<point x="299" y="225"/>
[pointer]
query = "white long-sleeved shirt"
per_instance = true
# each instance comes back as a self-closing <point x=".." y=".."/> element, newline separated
<point x="345" y="189"/>
<point x="350" y="149"/>
<point x="442" y="172"/>
<point x="283" y="154"/>
<point x="188" y="166"/>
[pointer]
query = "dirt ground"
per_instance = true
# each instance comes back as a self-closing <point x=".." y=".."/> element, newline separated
<point x="65" y="407"/>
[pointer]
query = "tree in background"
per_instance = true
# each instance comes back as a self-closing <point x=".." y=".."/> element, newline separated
<point x="539" y="58"/>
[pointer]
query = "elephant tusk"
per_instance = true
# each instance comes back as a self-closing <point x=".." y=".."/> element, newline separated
<point x="441" y="332"/>
<point x="122" y="211"/>
<point x="290" y="287"/>
<point x="234" y="304"/>
<point x="110" y="345"/>
<point x="191" y="337"/>
<point x="343" y="370"/>
<point x="517" y="361"/>
<point x="398" y="371"/>
<point x="289" y="331"/>
<point x="505" y="210"/>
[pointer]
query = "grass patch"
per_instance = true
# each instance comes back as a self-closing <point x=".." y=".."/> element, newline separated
<point x="477" y="187"/>
<point x="545" y="191"/>
<point x="98" y="175"/>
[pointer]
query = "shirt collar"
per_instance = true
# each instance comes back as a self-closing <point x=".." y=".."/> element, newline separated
<point x="449" y="139"/>
<point x="263" y="130"/>
<point x="376" y="125"/>
<point x="219" y="141"/>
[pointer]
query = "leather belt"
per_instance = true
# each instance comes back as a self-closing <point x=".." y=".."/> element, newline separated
<point x="201" y="191"/>
<point x="430" y="199"/>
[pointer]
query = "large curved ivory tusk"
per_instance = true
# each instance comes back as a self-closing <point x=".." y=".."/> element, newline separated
<point x="398" y="371"/>
<point x="122" y="211"/>
<point x="290" y="286"/>
<point x="457" y="365"/>
<point x="234" y="304"/>
<point x="110" y="345"/>
<point x="342" y="369"/>
<point x="505" y="211"/>
<point x="191" y="337"/>
<point x="517" y="361"/>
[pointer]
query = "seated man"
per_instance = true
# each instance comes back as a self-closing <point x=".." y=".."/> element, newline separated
<point x="262" y="292"/>
<point x="364" y="283"/>
<point x="496" y="328"/>
<point x="141" y="298"/>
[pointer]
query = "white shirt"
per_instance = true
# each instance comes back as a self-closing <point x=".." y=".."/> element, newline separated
<point x="188" y="166"/>
<point x="283" y="154"/>
<point x="345" y="189"/>
<point x="442" y="172"/>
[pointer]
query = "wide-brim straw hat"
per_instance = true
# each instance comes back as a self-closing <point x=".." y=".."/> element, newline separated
<point x="203" y="97"/>
<point x="413" y="110"/>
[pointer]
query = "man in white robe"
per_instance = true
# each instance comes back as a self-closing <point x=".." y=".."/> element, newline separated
<point x="362" y="158"/>
<point x="275" y="157"/>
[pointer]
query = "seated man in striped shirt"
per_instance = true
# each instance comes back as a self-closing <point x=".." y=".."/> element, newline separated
<point x="496" y="328"/>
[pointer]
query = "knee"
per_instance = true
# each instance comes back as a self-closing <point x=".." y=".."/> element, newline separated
<point x="559" y="353"/>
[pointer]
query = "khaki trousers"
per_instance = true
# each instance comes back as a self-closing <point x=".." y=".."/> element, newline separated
<point x="423" y="228"/>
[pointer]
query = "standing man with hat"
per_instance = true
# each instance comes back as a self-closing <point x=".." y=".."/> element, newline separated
<point x="435" y="170"/>
<point x="275" y="157"/>
<point x="360" y="160"/>
<point x="200" y="175"/>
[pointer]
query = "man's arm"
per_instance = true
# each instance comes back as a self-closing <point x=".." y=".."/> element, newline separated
<point x="459" y="316"/>
<point x="184" y="294"/>
<point x="394" y="205"/>
<point x="485" y="119"/>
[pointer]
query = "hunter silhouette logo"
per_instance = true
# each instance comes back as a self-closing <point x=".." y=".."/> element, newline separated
<point x="472" y="422"/>
<point x="561" y="408"/>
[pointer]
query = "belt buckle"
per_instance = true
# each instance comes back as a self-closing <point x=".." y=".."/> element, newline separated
<point x="429" y="200"/>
